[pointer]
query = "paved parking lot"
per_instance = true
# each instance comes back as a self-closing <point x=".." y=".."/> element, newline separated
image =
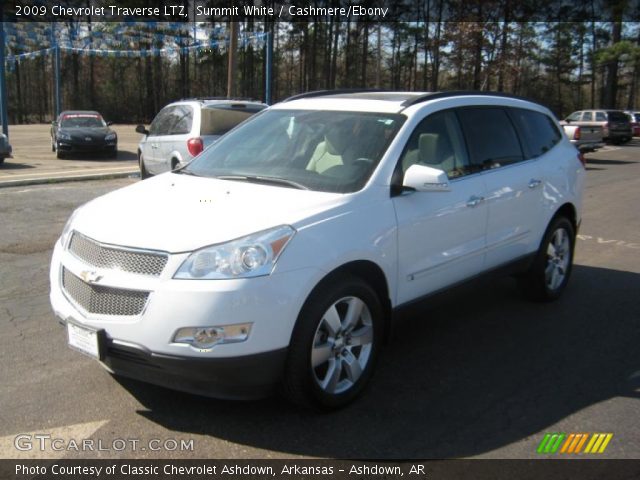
<point x="33" y="159"/>
<point x="483" y="374"/>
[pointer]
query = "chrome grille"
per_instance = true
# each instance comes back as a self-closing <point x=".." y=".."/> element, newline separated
<point x="103" y="300"/>
<point x="101" y="256"/>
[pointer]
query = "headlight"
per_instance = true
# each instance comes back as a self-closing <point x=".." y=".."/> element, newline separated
<point x="251" y="256"/>
<point x="63" y="136"/>
<point x="66" y="231"/>
<point x="110" y="136"/>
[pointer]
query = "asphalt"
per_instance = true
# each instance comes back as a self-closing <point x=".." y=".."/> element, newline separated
<point x="34" y="163"/>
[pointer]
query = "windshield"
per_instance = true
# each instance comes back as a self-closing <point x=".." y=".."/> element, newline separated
<point x="82" y="121"/>
<point x="317" y="150"/>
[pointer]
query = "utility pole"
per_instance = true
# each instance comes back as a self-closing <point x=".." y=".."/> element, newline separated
<point x="233" y="47"/>
<point x="3" y="84"/>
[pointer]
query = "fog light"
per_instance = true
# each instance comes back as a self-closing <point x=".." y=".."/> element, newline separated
<point x="208" y="337"/>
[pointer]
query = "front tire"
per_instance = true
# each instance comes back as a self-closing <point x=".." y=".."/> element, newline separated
<point x="59" y="153"/>
<point x="334" y="345"/>
<point x="144" y="173"/>
<point x="549" y="274"/>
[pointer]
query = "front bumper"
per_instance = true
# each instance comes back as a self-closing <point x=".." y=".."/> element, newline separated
<point x="77" y="146"/>
<point x="141" y="346"/>
<point x="234" y="378"/>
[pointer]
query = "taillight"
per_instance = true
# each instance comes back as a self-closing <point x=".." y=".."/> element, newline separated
<point x="576" y="134"/>
<point x="195" y="146"/>
<point x="583" y="160"/>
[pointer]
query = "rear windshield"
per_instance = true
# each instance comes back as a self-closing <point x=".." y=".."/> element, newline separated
<point x="219" y="120"/>
<point x="617" y="117"/>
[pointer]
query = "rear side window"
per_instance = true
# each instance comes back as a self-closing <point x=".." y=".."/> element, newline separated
<point x="181" y="120"/>
<point x="218" y="121"/>
<point x="491" y="137"/>
<point x="601" y="117"/>
<point x="538" y="132"/>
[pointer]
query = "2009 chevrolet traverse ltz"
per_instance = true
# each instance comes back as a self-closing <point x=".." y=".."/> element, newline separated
<point x="278" y="255"/>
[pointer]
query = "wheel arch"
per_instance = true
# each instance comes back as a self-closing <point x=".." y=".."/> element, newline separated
<point x="569" y="211"/>
<point x="370" y="273"/>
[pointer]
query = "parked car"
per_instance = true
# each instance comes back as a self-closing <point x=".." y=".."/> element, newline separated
<point x="280" y="254"/>
<point x="5" y="148"/>
<point x="586" y="138"/>
<point x="82" y="131"/>
<point x="616" y="127"/>
<point x="181" y="130"/>
<point x="634" y="118"/>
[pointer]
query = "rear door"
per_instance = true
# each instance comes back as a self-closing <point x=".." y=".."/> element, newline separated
<point x="173" y="145"/>
<point x="513" y="182"/>
<point x="151" y="150"/>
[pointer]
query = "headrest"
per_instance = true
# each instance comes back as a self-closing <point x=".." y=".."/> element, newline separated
<point x="428" y="145"/>
<point x="337" y="137"/>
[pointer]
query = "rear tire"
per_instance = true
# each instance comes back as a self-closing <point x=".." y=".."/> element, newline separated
<point x="334" y="345"/>
<point x="549" y="274"/>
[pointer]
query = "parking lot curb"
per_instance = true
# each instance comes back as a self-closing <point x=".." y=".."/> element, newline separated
<point x="70" y="178"/>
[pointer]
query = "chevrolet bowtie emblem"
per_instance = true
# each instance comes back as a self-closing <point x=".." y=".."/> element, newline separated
<point x="90" y="277"/>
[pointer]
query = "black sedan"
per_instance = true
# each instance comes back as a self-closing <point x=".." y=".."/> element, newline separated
<point x="82" y="132"/>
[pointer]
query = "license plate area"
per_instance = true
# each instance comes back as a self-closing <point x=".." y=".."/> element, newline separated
<point x="85" y="340"/>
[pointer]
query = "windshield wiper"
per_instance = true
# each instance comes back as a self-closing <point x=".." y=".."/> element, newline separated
<point x="264" y="180"/>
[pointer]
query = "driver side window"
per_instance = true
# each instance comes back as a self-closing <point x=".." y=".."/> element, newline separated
<point x="437" y="142"/>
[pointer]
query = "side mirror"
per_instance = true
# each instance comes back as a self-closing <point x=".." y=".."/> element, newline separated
<point x="425" y="179"/>
<point x="109" y="124"/>
<point x="568" y="120"/>
<point x="54" y="123"/>
<point x="140" y="129"/>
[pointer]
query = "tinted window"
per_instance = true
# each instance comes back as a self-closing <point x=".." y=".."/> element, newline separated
<point x="587" y="117"/>
<point x="491" y="138"/>
<point x="162" y="122"/>
<point x="218" y="121"/>
<point x="181" y="120"/>
<point x="618" y="117"/>
<point x="537" y="131"/>
<point x="438" y="142"/>
<point x="601" y="117"/>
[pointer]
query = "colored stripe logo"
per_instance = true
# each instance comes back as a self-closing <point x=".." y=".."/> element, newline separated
<point x="574" y="443"/>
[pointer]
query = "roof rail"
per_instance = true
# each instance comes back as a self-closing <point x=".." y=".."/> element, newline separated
<point x="323" y="93"/>
<point x="231" y="99"/>
<point x="456" y="93"/>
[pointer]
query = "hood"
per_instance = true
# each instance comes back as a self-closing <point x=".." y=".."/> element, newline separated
<point x="96" y="133"/>
<point x="178" y="213"/>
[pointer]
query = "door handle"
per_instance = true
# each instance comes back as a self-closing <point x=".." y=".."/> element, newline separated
<point x="474" y="201"/>
<point x="534" y="182"/>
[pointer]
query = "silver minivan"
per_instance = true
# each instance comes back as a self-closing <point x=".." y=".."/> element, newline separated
<point x="182" y="129"/>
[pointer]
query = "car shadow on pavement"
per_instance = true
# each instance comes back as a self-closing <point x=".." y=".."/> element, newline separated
<point x="9" y="165"/>
<point x="601" y="161"/>
<point x="123" y="155"/>
<point x="462" y="377"/>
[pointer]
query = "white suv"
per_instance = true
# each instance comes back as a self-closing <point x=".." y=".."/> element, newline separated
<point x="279" y="255"/>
